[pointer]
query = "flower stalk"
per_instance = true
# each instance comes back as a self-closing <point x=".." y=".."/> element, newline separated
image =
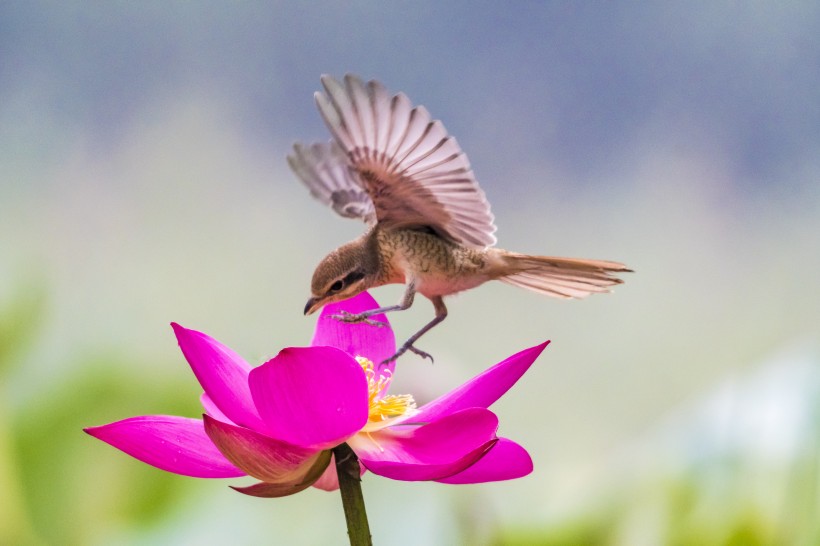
<point x="350" y="486"/>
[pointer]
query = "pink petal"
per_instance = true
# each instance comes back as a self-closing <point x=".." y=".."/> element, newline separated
<point x="264" y="458"/>
<point x="311" y="396"/>
<point x="505" y="461"/>
<point x="482" y="390"/>
<point x="174" y="444"/>
<point x="415" y="472"/>
<point x="282" y="489"/>
<point x="272" y="490"/>
<point x="222" y="373"/>
<point x="212" y="410"/>
<point x="372" y="342"/>
<point x="429" y="452"/>
<point x="329" y="480"/>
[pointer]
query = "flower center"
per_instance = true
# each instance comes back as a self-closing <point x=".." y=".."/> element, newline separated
<point x="382" y="408"/>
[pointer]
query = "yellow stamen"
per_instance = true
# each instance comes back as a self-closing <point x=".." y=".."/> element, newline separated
<point x="382" y="408"/>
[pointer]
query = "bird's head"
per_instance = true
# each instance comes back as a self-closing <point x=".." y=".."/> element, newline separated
<point x="342" y="274"/>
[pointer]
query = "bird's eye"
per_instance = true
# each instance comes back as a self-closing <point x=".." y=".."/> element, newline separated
<point x="336" y="286"/>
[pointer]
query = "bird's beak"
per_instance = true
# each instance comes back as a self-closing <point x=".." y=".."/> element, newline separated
<point x="309" y="307"/>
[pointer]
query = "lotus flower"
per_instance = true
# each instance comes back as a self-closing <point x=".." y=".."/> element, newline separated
<point x="278" y="422"/>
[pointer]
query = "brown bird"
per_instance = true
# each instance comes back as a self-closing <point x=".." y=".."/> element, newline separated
<point x="430" y="225"/>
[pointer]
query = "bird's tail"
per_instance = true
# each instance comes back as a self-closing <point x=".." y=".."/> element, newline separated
<point x="561" y="277"/>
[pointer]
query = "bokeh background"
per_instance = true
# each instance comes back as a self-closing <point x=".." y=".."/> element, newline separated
<point x="143" y="181"/>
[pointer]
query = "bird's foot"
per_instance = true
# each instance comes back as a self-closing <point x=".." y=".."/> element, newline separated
<point x="408" y="347"/>
<point x="421" y="353"/>
<point x="351" y="318"/>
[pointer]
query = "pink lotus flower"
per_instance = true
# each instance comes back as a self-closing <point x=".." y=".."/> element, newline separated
<point x="279" y="421"/>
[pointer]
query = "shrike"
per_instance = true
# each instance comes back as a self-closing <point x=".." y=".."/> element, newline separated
<point x="429" y="223"/>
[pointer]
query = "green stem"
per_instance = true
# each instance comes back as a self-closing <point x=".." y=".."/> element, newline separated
<point x="350" y="485"/>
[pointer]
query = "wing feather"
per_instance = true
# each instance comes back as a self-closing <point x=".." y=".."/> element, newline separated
<point x="324" y="169"/>
<point x="396" y="165"/>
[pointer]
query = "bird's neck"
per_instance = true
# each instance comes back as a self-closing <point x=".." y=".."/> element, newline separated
<point x="380" y="248"/>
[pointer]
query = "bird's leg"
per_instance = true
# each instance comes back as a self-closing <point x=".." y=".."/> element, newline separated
<point x="405" y="303"/>
<point x="441" y="314"/>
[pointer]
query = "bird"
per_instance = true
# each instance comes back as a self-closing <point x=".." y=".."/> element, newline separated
<point x="429" y="224"/>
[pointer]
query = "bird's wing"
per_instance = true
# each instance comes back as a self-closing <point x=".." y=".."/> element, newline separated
<point x="324" y="169"/>
<point x="413" y="172"/>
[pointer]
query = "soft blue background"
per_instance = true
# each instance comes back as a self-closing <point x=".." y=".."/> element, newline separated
<point x="143" y="181"/>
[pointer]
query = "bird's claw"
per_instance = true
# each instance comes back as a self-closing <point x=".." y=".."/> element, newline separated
<point x="403" y="349"/>
<point x="421" y="353"/>
<point x="351" y="318"/>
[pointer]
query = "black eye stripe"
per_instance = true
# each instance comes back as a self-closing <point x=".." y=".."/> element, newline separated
<point x="352" y="277"/>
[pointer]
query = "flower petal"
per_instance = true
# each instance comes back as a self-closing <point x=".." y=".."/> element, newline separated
<point x="311" y="396"/>
<point x="264" y="458"/>
<point x="271" y="490"/>
<point x="505" y="461"/>
<point x="434" y="451"/>
<point x="171" y="443"/>
<point x="482" y="390"/>
<point x="329" y="480"/>
<point x="414" y="472"/>
<point x="372" y="342"/>
<point x="212" y="410"/>
<point x="222" y="373"/>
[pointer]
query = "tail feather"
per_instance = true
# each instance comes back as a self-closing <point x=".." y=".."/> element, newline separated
<point x="562" y="277"/>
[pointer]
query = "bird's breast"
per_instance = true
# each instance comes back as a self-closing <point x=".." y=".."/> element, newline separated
<point x="439" y="267"/>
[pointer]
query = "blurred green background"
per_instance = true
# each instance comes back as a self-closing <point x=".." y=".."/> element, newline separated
<point x="143" y="181"/>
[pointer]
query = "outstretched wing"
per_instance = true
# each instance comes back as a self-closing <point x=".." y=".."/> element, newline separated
<point x="324" y="169"/>
<point x="391" y="163"/>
